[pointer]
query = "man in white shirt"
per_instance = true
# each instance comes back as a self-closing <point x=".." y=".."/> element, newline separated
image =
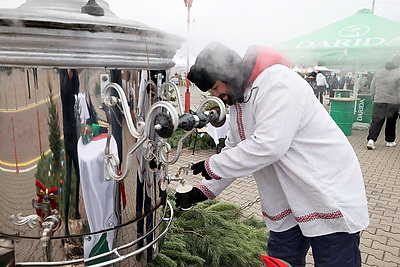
<point x="280" y="133"/>
<point x="322" y="86"/>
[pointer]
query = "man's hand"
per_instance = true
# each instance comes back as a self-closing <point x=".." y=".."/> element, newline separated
<point x="200" y="168"/>
<point x="195" y="195"/>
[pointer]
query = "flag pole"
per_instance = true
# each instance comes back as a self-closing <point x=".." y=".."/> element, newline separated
<point x="188" y="3"/>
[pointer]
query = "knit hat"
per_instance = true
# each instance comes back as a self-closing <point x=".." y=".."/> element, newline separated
<point x="217" y="62"/>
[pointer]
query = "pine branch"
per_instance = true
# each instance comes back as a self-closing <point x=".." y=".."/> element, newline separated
<point x="213" y="232"/>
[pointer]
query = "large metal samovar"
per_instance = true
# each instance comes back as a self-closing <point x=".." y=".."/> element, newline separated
<point x="85" y="112"/>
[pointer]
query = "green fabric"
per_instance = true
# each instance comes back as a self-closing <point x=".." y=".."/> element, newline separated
<point x="364" y="42"/>
<point x="95" y="129"/>
<point x="100" y="247"/>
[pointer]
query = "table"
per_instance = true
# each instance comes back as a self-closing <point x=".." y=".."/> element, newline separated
<point x="98" y="195"/>
<point x="218" y="132"/>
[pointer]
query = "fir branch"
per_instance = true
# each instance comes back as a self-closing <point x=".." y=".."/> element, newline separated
<point x="213" y="232"/>
<point x="193" y="232"/>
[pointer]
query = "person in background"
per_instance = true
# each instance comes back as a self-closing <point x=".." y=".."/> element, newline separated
<point x="350" y="81"/>
<point x="310" y="78"/>
<point x="328" y="79"/>
<point x="362" y="82"/>
<point x="322" y="86"/>
<point x="342" y="81"/>
<point x="370" y="76"/>
<point x="281" y="134"/>
<point x="385" y="92"/>
<point x="333" y="85"/>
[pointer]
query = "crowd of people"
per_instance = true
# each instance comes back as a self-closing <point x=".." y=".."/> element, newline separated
<point x="384" y="88"/>
<point x="326" y="82"/>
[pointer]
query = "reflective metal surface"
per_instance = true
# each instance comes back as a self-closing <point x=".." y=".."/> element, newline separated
<point x="55" y="33"/>
<point x="86" y="114"/>
<point x="60" y="205"/>
<point x="82" y="168"/>
<point x="30" y="179"/>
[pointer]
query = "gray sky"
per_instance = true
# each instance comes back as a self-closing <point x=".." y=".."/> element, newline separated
<point x="240" y="23"/>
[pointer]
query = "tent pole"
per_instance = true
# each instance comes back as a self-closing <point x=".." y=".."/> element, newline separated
<point x="356" y="86"/>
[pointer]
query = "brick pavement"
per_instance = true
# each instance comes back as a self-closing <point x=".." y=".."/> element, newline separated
<point x="23" y="116"/>
<point x="380" y="241"/>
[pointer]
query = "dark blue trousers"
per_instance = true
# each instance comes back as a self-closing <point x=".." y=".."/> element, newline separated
<point x="333" y="250"/>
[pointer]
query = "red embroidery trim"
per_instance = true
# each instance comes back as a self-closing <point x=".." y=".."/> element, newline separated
<point x="206" y="191"/>
<point x="239" y="121"/>
<point x="278" y="217"/>
<point x="209" y="171"/>
<point x="306" y="218"/>
<point x="319" y="216"/>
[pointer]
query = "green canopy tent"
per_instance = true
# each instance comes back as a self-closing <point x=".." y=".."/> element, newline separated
<point x="361" y="42"/>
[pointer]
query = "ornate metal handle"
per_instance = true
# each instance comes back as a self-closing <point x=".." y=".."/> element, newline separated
<point x="178" y="97"/>
<point x="30" y="220"/>
<point x="220" y="103"/>
<point x="49" y="223"/>
<point x="111" y="159"/>
<point x="110" y="101"/>
<point x="164" y="148"/>
<point x="163" y="90"/>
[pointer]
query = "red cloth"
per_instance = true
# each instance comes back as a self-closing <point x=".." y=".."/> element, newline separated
<point x="99" y="137"/>
<point x="266" y="57"/>
<point x="52" y="193"/>
<point x="274" y="262"/>
<point x="123" y="193"/>
<point x="188" y="3"/>
<point x="41" y="191"/>
<point x="121" y="187"/>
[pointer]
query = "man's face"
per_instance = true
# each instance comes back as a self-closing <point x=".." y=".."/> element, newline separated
<point x="223" y="91"/>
